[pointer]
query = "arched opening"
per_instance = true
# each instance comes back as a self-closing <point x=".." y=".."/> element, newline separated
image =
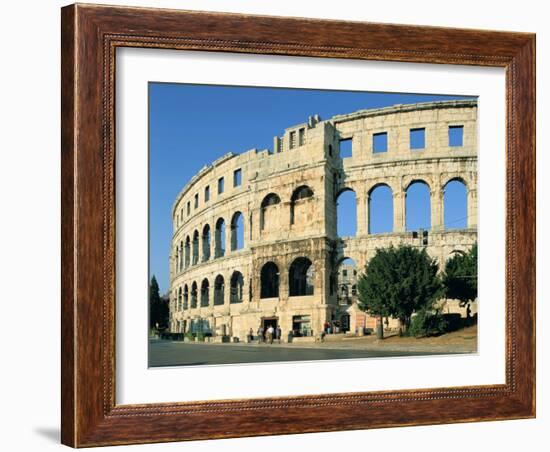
<point x="180" y="256"/>
<point x="179" y="299"/>
<point x="380" y="209"/>
<point x="347" y="281"/>
<point x="220" y="238"/>
<point x="301" y="277"/>
<point x="195" y="247"/>
<point x="455" y="204"/>
<point x="206" y="243"/>
<point x="194" y="293"/>
<point x="269" y="280"/>
<point x="300" y="196"/>
<point x="237" y="231"/>
<point x="218" y="290"/>
<point x="346" y="213"/>
<point x="187" y="251"/>
<point x="205" y="288"/>
<point x="417" y="206"/>
<point x="185" y="297"/>
<point x="236" y="288"/>
<point x="268" y="211"/>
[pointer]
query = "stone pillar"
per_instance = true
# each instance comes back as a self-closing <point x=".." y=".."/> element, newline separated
<point x="284" y="211"/>
<point x="436" y="205"/>
<point x="283" y="281"/>
<point x="399" y="211"/>
<point x="366" y="216"/>
<point x="228" y="237"/>
<point x="212" y="241"/>
<point x="472" y="208"/>
<point x="226" y="290"/>
<point x="246" y="289"/>
<point x="362" y="214"/>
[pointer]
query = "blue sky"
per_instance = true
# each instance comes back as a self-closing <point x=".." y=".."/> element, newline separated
<point x="192" y="125"/>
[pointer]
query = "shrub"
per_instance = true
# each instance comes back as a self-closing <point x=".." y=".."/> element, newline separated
<point x="200" y="337"/>
<point x="190" y="336"/>
<point x="454" y="321"/>
<point x="427" y="323"/>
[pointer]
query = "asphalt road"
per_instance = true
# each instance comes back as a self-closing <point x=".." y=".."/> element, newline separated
<point x="164" y="353"/>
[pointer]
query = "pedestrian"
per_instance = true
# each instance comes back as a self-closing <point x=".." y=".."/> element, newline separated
<point x="278" y="333"/>
<point x="260" y="334"/>
<point x="270" y="332"/>
<point x="250" y="335"/>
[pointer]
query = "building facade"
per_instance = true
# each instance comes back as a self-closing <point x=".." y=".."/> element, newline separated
<point x="255" y="238"/>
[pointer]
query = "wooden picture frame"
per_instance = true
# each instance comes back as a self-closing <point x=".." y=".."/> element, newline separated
<point x="90" y="36"/>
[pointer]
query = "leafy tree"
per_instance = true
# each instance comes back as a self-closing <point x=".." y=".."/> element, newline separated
<point x="158" y="308"/>
<point x="460" y="277"/>
<point x="399" y="281"/>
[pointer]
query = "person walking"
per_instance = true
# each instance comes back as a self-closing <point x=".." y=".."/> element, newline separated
<point x="278" y="334"/>
<point x="260" y="334"/>
<point x="270" y="332"/>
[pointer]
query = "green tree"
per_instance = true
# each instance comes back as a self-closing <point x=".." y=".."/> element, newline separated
<point x="460" y="277"/>
<point x="158" y="308"/>
<point x="399" y="281"/>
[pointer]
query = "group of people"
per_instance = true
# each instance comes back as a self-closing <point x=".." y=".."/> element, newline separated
<point x="331" y="328"/>
<point x="267" y="335"/>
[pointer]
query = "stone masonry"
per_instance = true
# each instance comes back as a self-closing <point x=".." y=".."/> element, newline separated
<point x="255" y="239"/>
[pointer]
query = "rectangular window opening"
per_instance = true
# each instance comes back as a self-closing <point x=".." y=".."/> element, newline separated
<point x="220" y="185"/>
<point x="207" y="193"/>
<point x="279" y="145"/>
<point x="380" y="142"/>
<point x="237" y="177"/>
<point x="188" y="207"/>
<point x="292" y="140"/>
<point x="302" y="137"/>
<point x="346" y="148"/>
<point x="418" y="138"/>
<point x="196" y="200"/>
<point x="456" y="136"/>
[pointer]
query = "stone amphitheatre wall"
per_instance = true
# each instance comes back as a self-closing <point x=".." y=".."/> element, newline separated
<point x="287" y="203"/>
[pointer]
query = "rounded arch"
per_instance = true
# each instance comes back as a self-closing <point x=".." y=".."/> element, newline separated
<point x="195" y="259"/>
<point x="302" y="193"/>
<point x="346" y="280"/>
<point x="180" y="256"/>
<point x="453" y="178"/>
<point x="380" y="200"/>
<point x="301" y="277"/>
<point x="237" y="231"/>
<point x="219" y="288"/>
<point x="268" y="205"/>
<point x="205" y="292"/>
<point x="206" y="243"/>
<point x="416" y="180"/>
<point x="269" y="280"/>
<point x="194" y="293"/>
<point x="418" y="205"/>
<point x="455" y="204"/>
<point x="346" y="213"/>
<point x="219" y="249"/>
<point x="187" y="251"/>
<point x="185" y="297"/>
<point x="236" y="287"/>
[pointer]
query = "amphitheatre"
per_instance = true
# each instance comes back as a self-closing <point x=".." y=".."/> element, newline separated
<point x="255" y="238"/>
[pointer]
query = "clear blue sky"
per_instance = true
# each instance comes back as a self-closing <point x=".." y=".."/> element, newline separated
<point x="192" y="125"/>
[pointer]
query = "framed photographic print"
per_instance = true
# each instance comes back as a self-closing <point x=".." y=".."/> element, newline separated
<point x="282" y="225"/>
